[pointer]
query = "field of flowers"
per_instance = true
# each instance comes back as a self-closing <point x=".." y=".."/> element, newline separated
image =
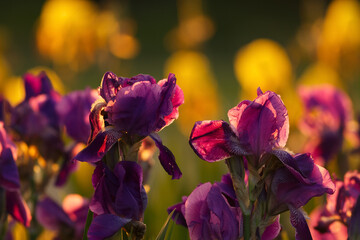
<point x="185" y="119"/>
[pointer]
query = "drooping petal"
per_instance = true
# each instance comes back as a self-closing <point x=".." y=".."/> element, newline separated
<point x="130" y="202"/>
<point x="97" y="149"/>
<point x="179" y="213"/>
<point x="296" y="183"/>
<point x="166" y="158"/>
<point x="214" y="141"/>
<point x="17" y="208"/>
<point x="51" y="215"/>
<point x="105" y="225"/>
<point x="298" y="221"/>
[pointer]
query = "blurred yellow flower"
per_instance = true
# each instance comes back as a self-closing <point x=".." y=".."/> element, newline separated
<point x="195" y="78"/>
<point x="319" y="73"/>
<point x="262" y="63"/>
<point x="339" y="43"/>
<point x="65" y="33"/>
<point x="72" y="32"/>
<point x="19" y="232"/>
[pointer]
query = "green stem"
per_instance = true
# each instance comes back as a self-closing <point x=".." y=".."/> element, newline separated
<point x="246" y="226"/>
<point x="89" y="219"/>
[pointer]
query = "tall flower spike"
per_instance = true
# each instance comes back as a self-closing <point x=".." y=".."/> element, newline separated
<point x="133" y="108"/>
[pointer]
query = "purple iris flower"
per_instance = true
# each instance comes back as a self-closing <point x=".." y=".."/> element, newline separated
<point x="119" y="198"/>
<point x="255" y="128"/>
<point x="341" y="215"/>
<point x="9" y="181"/>
<point x="73" y="110"/>
<point x="133" y="108"/>
<point x="211" y="211"/>
<point x="35" y="119"/>
<point x="294" y="184"/>
<point x="68" y="221"/>
<point x="327" y="113"/>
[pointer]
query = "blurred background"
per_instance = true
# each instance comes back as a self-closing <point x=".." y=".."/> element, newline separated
<point x="220" y="52"/>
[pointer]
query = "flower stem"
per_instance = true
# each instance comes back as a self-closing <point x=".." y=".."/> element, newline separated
<point x="87" y="224"/>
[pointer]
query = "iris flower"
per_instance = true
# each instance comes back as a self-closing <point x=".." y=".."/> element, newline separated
<point x="258" y="131"/>
<point x="131" y="109"/>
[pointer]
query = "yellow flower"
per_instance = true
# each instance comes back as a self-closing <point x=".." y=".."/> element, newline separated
<point x="339" y="43"/>
<point x="262" y="63"/>
<point x="195" y="78"/>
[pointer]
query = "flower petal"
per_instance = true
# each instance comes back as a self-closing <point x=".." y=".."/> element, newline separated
<point x="131" y="199"/>
<point x="17" y="207"/>
<point x="95" y="119"/>
<point x="214" y="141"/>
<point x="102" y="143"/>
<point x="36" y="85"/>
<point x="272" y="231"/>
<point x="109" y="86"/>
<point x="179" y="213"/>
<point x="51" y="215"/>
<point x="166" y="158"/>
<point x="264" y="123"/>
<point x="9" y="175"/>
<point x="298" y="221"/>
<point x="105" y="225"/>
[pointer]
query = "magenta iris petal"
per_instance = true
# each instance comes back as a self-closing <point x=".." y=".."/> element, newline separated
<point x="214" y="140"/>
<point x="17" y="208"/>
<point x="177" y="99"/>
<point x="272" y="231"/>
<point x="97" y="149"/>
<point x="166" y="158"/>
<point x="297" y="183"/>
<point x="106" y="225"/>
<point x="298" y="221"/>
<point x="68" y="166"/>
<point x="51" y="215"/>
<point x="209" y="216"/>
<point x="264" y="123"/>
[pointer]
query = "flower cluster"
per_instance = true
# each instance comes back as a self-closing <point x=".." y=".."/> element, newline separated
<point x="276" y="180"/>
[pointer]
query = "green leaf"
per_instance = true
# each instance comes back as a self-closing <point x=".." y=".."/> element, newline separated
<point x="163" y="231"/>
<point x="87" y="224"/>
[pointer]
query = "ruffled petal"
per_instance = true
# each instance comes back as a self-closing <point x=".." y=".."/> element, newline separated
<point x="166" y="158"/>
<point x="179" y="213"/>
<point x="109" y="86"/>
<point x="105" y="225"/>
<point x="95" y="119"/>
<point x="102" y="143"/>
<point x="214" y="141"/>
